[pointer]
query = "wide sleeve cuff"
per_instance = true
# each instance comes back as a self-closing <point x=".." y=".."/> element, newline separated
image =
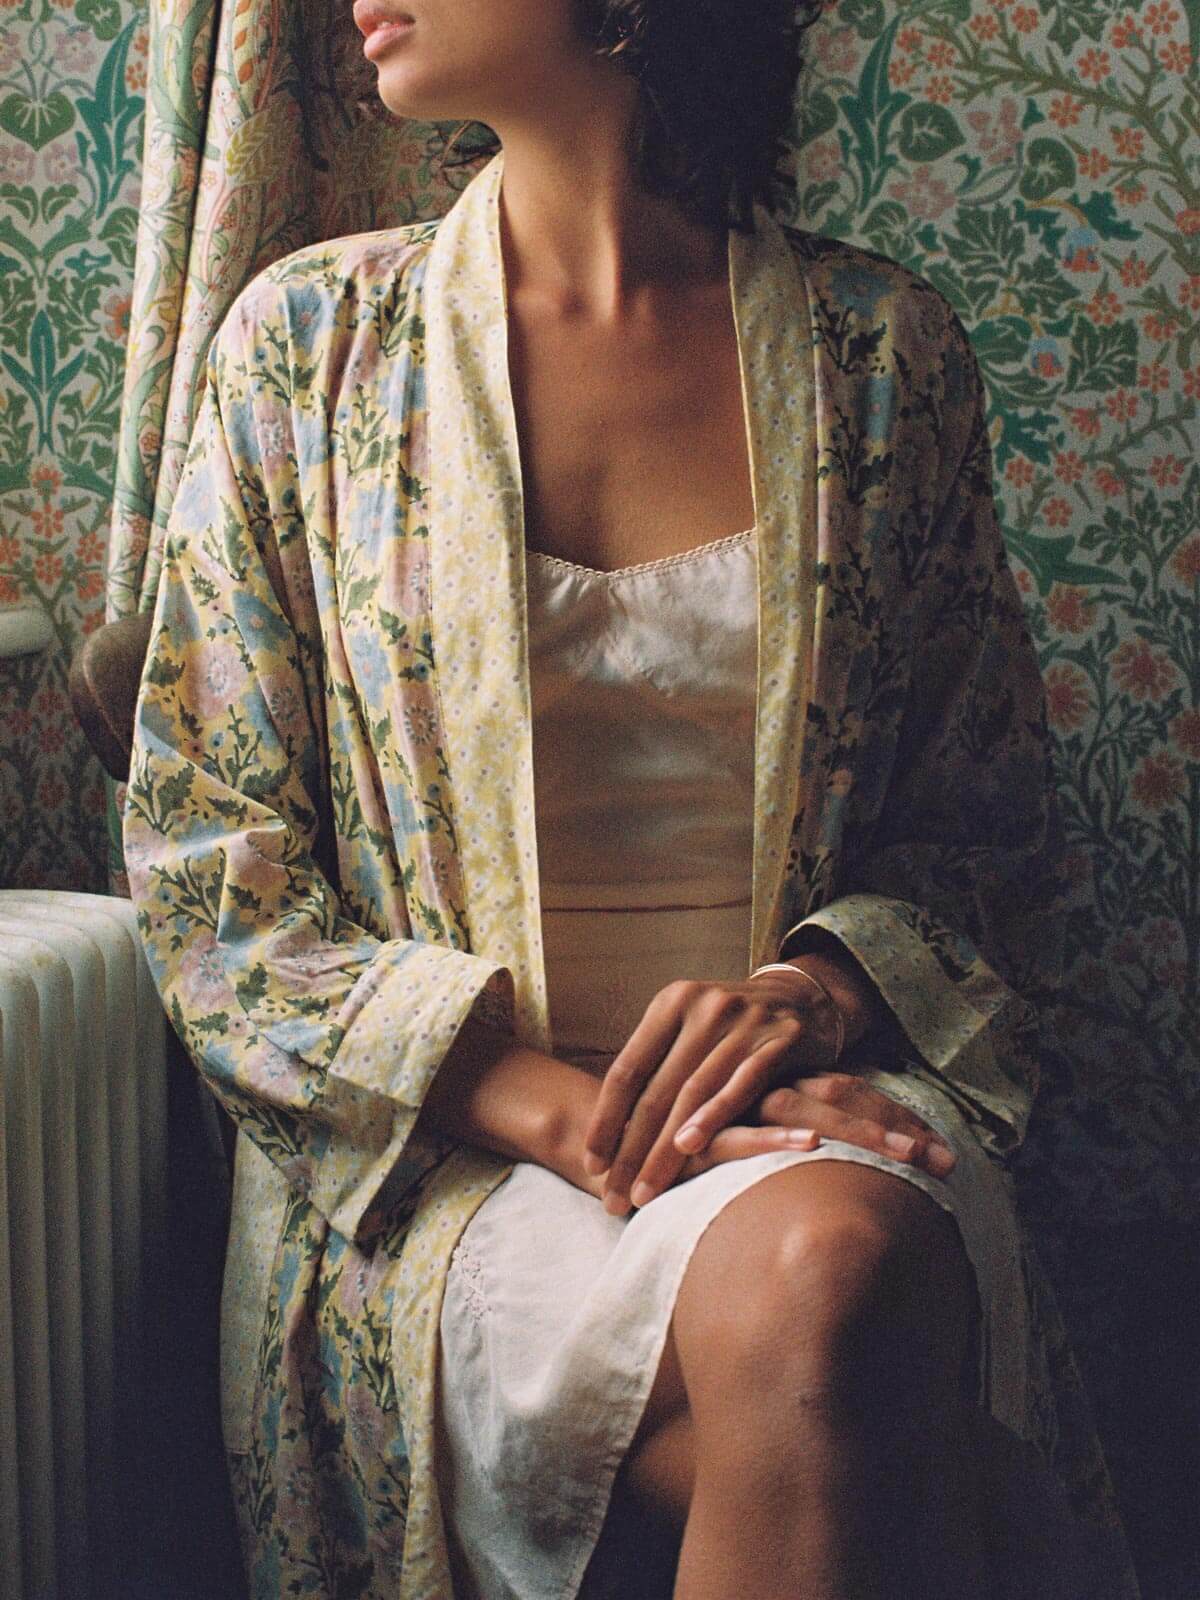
<point x="973" y="1034"/>
<point x="400" y="1021"/>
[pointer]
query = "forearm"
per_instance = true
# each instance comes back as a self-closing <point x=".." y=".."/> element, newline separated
<point x="501" y="1095"/>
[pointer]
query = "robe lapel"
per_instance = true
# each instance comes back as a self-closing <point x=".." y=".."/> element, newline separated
<point x="775" y="349"/>
<point x="477" y="572"/>
<point x="477" y="592"/>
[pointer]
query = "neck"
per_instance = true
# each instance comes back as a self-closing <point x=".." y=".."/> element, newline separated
<point x="581" y="236"/>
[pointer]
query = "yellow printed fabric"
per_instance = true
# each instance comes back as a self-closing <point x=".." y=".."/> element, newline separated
<point x="330" y="830"/>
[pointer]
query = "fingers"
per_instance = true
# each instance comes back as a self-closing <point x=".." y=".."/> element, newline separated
<point x="696" y="1065"/>
<point x="838" y="1106"/>
<point x="845" y="1092"/>
<point x="829" y="1106"/>
<point x="742" y="1086"/>
<point x="740" y="1092"/>
<point x="702" y="1056"/>
<point x="736" y="1144"/>
<point x="630" y="1071"/>
<point x="699" y="1014"/>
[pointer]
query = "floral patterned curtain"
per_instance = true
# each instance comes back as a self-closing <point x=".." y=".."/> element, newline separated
<point x="263" y="133"/>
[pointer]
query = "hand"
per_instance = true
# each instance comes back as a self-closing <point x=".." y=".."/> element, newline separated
<point x="829" y="1105"/>
<point x="742" y="1141"/>
<point x="836" y="1105"/>
<point x="703" y="1053"/>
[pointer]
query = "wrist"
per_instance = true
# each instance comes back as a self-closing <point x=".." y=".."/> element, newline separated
<point x="810" y="998"/>
<point x="848" y="987"/>
<point x="493" y="1091"/>
<point x="562" y="1123"/>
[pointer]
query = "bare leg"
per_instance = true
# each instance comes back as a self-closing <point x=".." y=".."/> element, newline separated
<point x="806" y="1429"/>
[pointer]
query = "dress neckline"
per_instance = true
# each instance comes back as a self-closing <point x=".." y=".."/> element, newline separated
<point x="663" y="563"/>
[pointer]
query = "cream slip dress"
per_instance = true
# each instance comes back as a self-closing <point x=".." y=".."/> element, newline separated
<point x="555" y="1313"/>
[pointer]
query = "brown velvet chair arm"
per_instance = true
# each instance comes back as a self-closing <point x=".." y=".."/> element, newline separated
<point x="103" y="685"/>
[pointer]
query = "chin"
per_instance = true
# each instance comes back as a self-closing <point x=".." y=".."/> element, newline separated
<point x="409" y="90"/>
<point x="407" y="100"/>
<point x="404" y="97"/>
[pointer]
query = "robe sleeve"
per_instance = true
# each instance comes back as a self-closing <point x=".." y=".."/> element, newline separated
<point x="319" y="1038"/>
<point x="951" y="902"/>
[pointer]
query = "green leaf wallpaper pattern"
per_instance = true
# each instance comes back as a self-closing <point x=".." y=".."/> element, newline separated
<point x="36" y="119"/>
<point x="72" y="82"/>
<point x="1037" y="162"/>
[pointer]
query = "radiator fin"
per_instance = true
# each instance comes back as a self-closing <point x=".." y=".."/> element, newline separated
<point x="82" y="1198"/>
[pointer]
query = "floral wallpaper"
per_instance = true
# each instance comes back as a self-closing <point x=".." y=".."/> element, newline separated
<point x="1038" y="163"/>
<point x="72" y="85"/>
<point x="1036" y="159"/>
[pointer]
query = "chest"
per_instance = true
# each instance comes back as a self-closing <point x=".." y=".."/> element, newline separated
<point x="633" y="444"/>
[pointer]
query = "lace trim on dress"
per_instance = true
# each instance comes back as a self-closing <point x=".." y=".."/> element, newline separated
<point x="469" y="1271"/>
<point x="663" y="564"/>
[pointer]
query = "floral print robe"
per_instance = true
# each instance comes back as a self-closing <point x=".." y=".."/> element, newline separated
<point x="330" y="830"/>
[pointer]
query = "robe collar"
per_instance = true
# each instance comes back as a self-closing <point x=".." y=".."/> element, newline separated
<point x="477" y="572"/>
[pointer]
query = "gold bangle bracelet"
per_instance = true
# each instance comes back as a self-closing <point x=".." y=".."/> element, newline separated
<point x="839" y="1018"/>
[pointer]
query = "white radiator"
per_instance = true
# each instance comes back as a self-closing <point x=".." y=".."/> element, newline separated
<point x="82" y="1203"/>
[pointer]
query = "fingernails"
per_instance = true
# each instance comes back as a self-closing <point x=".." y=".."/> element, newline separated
<point x="806" y="1138"/>
<point x="593" y="1164"/>
<point x="641" y="1194"/>
<point x="690" y="1138"/>
<point x="899" y="1144"/>
<point x="615" y="1204"/>
<point x="942" y="1160"/>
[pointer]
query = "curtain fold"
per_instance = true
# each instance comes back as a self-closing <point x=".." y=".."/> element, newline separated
<point x="263" y="133"/>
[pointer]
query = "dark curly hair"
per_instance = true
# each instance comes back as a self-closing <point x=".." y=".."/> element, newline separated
<point x="716" y="81"/>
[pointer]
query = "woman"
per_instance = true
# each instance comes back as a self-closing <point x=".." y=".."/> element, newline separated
<point x="563" y="603"/>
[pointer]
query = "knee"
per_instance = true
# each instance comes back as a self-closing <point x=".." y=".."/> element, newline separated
<point x="839" y="1302"/>
<point x="825" y="1286"/>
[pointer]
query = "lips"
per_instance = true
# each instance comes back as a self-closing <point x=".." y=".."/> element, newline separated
<point x="369" y="15"/>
